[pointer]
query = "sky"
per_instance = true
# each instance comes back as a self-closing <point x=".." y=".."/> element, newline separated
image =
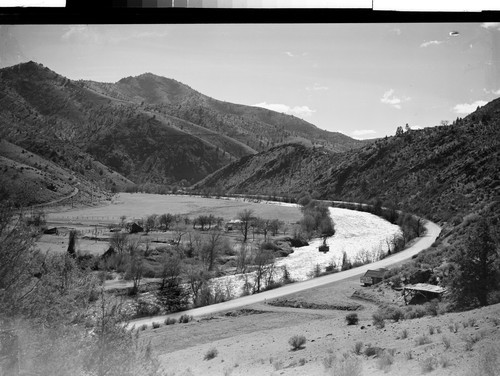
<point x="363" y="80"/>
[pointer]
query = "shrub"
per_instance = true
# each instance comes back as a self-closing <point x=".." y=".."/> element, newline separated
<point x="446" y="342"/>
<point x="297" y="342"/>
<point x="393" y="313"/>
<point x="408" y="355"/>
<point x="472" y="321"/>
<point x="453" y="327"/>
<point x="438" y="330"/>
<point x="302" y="361"/>
<point x="378" y="320"/>
<point x="352" y="319"/>
<point x="329" y="361"/>
<point x="414" y="312"/>
<point x="373" y="351"/>
<point x="444" y="361"/>
<point x="404" y="334"/>
<point x="184" y="319"/>
<point x="156" y="325"/>
<point x="347" y="366"/>
<point x="357" y="347"/>
<point x="428" y="364"/>
<point x="210" y="354"/>
<point x="277" y="365"/>
<point x="385" y="362"/>
<point x="143" y="327"/>
<point x="422" y="340"/>
<point x="170" y="321"/>
<point x="431" y="330"/>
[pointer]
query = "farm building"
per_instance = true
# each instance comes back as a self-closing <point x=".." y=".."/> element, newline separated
<point x="421" y="292"/>
<point x="232" y="225"/>
<point x="372" y="277"/>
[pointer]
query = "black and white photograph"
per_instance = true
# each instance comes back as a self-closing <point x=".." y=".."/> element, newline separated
<point x="245" y="198"/>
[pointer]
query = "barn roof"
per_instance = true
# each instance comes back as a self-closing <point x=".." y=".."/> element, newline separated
<point x="379" y="273"/>
<point x="426" y="287"/>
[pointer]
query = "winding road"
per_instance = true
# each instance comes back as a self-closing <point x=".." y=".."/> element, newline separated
<point x="432" y="232"/>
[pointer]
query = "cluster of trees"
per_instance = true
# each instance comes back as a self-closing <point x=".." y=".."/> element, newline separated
<point x="54" y="317"/>
<point x="316" y="219"/>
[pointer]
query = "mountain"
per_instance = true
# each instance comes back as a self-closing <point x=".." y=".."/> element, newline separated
<point x="448" y="174"/>
<point x="148" y="129"/>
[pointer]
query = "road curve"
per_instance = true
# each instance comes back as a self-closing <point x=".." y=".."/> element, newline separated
<point x="432" y="232"/>
<point x="72" y="194"/>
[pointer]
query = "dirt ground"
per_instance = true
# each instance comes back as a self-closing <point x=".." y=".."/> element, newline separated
<point x="254" y="341"/>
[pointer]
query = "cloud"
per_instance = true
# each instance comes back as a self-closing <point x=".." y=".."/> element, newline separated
<point x="317" y="87"/>
<point x="289" y="54"/>
<point x="491" y="25"/>
<point x="396" y="31"/>
<point x="97" y="35"/>
<point x="390" y="99"/>
<point x="431" y="43"/>
<point x="359" y="133"/>
<point x="495" y="92"/>
<point x="467" y="108"/>
<point x="299" y="111"/>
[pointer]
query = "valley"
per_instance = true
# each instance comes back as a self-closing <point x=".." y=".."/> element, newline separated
<point x="149" y="229"/>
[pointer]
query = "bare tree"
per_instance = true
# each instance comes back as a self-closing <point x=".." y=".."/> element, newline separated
<point x="119" y="242"/>
<point x="246" y="217"/>
<point x="180" y="230"/>
<point x="264" y="262"/>
<point x="211" y="248"/>
<point x="244" y="258"/>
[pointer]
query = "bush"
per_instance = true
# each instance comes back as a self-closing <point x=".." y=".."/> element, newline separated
<point x="184" y="319"/>
<point x="414" y="312"/>
<point x="428" y="364"/>
<point x="156" y="325"/>
<point x="352" y="319"/>
<point x="385" y="362"/>
<point x="357" y="347"/>
<point x="404" y="334"/>
<point x="378" y="320"/>
<point x="444" y="362"/>
<point x="170" y="321"/>
<point x="347" y="366"/>
<point x="210" y="354"/>
<point x="329" y="361"/>
<point x="297" y="342"/>
<point x="373" y="351"/>
<point x="422" y="340"/>
<point x="431" y="330"/>
<point x="446" y="342"/>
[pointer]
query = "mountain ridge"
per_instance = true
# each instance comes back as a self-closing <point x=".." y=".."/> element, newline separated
<point x="148" y="128"/>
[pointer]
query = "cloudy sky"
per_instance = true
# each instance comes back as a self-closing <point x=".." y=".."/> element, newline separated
<point x="363" y="80"/>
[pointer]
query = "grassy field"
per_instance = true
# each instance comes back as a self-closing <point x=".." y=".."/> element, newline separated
<point x="139" y="205"/>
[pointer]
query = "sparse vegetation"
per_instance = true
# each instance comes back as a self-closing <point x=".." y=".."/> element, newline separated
<point x="428" y="364"/>
<point x="357" y="348"/>
<point x="446" y="342"/>
<point x="297" y="342"/>
<point x="385" y="361"/>
<point x="422" y="340"/>
<point x="378" y="320"/>
<point x="404" y="334"/>
<point x="211" y="353"/>
<point x="352" y="319"/>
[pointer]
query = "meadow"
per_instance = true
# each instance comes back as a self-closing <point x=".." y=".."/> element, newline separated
<point x="139" y="205"/>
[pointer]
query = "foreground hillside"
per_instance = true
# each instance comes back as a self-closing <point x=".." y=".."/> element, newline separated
<point x="149" y="129"/>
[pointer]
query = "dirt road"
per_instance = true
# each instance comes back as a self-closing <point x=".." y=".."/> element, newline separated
<point x="432" y="232"/>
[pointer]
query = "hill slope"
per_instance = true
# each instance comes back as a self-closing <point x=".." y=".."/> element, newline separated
<point x="149" y="129"/>
<point x="448" y="174"/>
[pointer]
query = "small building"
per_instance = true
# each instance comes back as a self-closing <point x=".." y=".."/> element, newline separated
<point x="234" y="224"/>
<point x="372" y="277"/>
<point x="422" y="292"/>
